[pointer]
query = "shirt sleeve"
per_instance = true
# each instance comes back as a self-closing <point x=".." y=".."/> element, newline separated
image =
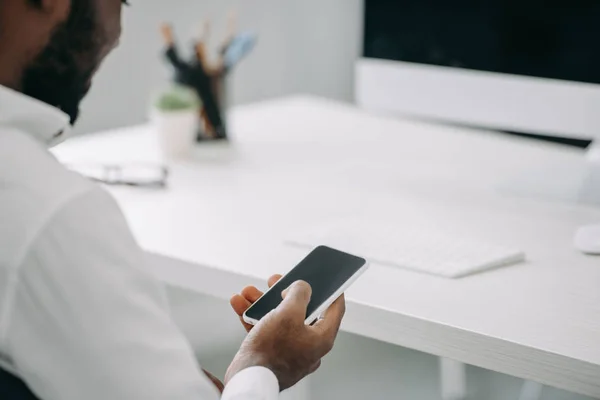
<point x="89" y="323"/>
<point x="256" y="383"/>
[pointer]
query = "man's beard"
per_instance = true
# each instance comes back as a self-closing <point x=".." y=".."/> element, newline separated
<point x="61" y="74"/>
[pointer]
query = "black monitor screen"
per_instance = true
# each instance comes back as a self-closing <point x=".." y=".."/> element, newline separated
<point x="558" y="39"/>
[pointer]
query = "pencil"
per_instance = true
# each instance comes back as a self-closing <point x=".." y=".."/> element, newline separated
<point x="230" y="35"/>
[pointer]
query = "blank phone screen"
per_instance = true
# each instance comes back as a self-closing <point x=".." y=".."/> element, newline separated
<point x="325" y="269"/>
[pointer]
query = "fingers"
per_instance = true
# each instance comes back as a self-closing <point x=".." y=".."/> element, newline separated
<point x="240" y="305"/>
<point x="251" y="293"/>
<point x="273" y="280"/>
<point x="295" y="300"/>
<point x="329" y="325"/>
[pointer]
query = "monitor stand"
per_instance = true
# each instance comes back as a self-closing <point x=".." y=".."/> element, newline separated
<point x="590" y="189"/>
<point x="572" y="183"/>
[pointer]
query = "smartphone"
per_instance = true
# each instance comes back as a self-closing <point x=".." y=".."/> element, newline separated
<point x="329" y="272"/>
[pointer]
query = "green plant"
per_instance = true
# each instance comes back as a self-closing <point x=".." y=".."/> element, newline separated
<point x="177" y="98"/>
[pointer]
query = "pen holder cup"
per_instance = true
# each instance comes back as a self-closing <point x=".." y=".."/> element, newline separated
<point x="207" y="130"/>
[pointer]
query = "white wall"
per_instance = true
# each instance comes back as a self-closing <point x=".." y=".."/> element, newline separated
<point x="304" y="46"/>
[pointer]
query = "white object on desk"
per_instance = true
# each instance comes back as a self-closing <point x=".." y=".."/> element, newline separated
<point x="587" y="239"/>
<point x="419" y="249"/>
<point x="176" y="131"/>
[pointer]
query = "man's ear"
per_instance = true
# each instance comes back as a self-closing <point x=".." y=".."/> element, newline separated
<point x="58" y="10"/>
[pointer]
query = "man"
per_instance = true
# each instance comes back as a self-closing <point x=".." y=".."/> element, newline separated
<point x="79" y="317"/>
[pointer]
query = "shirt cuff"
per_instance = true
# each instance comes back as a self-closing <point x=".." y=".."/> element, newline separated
<point x="256" y="383"/>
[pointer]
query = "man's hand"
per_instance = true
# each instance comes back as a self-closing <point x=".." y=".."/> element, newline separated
<point x="283" y="343"/>
<point x="249" y="295"/>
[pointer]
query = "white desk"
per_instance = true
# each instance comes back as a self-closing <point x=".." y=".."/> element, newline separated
<point x="299" y="161"/>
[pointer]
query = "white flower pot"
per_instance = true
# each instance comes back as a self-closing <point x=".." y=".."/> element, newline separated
<point x="176" y="131"/>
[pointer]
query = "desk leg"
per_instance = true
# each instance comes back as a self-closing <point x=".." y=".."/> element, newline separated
<point x="299" y="392"/>
<point x="531" y="391"/>
<point x="453" y="380"/>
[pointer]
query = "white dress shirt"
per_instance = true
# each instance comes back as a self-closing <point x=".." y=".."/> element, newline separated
<point x="79" y="316"/>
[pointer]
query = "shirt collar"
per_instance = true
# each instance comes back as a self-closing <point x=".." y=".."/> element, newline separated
<point x="45" y="123"/>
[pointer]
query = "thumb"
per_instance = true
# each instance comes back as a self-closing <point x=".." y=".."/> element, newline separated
<point x="296" y="298"/>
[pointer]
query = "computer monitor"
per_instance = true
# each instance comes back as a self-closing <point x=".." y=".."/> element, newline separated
<point x="528" y="66"/>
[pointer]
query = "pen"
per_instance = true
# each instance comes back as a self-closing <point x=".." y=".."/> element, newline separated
<point x="229" y="38"/>
<point x="239" y="48"/>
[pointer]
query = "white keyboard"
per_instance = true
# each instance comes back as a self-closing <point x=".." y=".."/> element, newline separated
<point x="419" y="250"/>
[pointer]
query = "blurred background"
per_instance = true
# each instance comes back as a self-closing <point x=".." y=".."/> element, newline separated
<point x="303" y="46"/>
